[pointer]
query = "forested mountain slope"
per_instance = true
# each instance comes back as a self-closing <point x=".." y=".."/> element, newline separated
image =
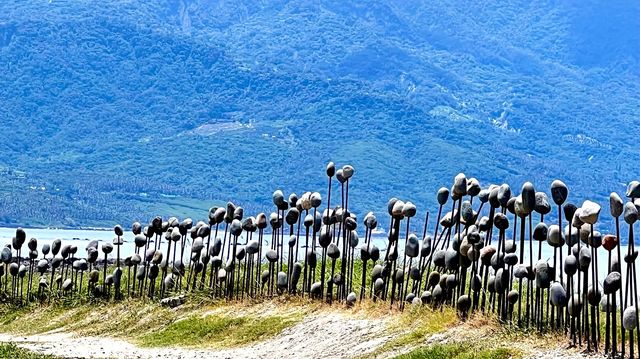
<point x="119" y="110"/>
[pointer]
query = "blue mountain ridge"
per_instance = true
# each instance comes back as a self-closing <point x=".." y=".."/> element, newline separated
<point x="116" y="111"/>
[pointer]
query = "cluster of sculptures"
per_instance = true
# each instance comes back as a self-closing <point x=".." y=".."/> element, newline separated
<point x="484" y="254"/>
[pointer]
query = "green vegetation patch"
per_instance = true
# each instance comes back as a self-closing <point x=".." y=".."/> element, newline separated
<point x="11" y="351"/>
<point x="422" y="321"/>
<point x="33" y="319"/>
<point x="459" y="351"/>
<point x="218" y="331"/>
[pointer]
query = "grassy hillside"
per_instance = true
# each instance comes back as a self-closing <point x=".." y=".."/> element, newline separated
<point x="213" y="327"/>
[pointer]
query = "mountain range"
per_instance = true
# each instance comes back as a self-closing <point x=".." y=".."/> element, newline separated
<point x="120" y="110"/>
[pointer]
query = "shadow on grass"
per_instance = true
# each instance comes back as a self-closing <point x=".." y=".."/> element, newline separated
<point x="459" y="351"/>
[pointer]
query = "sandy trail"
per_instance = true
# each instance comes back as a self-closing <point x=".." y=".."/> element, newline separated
<point x="333" y="336"/>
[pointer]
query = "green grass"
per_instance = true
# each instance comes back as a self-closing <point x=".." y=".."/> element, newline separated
<point x="34" y="319"/>
<point x="183" y="326"/>
<point x="217" y="331"/>
<point x="11" y="351"/>
<point x="422" y="322"/>
<point x="459" y="351"/>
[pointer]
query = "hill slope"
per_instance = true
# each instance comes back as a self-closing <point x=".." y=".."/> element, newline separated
<point x="117" y="110"/>
<point x="287" y="328"/>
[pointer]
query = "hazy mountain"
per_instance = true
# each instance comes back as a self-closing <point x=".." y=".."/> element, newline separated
<point x="120" y="110"/>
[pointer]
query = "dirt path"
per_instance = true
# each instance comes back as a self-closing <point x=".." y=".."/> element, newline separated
<point x="333" y="336"/>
